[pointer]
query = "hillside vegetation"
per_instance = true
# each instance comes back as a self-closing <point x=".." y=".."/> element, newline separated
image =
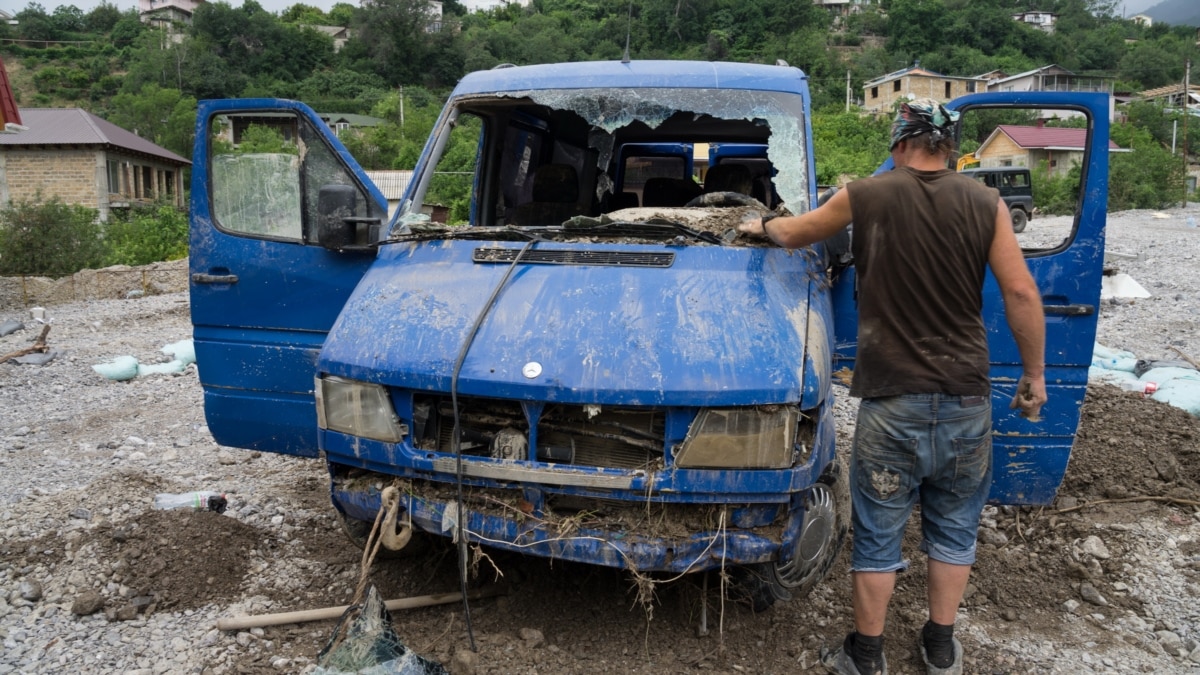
<point x="397" y="67"/>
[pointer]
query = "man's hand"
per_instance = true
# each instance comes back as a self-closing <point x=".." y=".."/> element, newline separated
<point x="1030" y="397"/>
<point x="753" y="225"/>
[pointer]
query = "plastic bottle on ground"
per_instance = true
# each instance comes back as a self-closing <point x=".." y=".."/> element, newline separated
<point x="200" y="500"/>
<point x="1143" y="388"/>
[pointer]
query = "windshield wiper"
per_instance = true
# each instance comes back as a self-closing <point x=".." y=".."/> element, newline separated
<point x="654" y="228"/>
<point x="462" y="232"/>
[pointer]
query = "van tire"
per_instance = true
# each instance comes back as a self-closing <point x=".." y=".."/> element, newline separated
<point x="760" y="586"/>
<point x="1019" y="219"/>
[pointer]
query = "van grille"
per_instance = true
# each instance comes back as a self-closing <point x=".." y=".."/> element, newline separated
<point x="567" y="434"/>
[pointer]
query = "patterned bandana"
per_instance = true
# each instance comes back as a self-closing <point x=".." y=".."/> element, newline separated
<point x="922" y="116"/>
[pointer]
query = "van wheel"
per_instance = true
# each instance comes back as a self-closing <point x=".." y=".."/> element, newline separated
<point x="826" y="523"/>
<point x="1019" y="219"/>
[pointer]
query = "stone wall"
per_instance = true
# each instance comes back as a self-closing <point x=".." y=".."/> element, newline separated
<point x="118" y="281"/>
<point x="69" y="174"/>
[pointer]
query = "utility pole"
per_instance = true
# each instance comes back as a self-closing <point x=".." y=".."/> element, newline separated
<point x="1187" y="96"/>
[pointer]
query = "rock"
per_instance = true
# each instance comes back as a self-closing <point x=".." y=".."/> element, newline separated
<point x="126" y="613"/>
<point x="464" y="662"/>
<point x="87" y="602"/>
<point x="1169" y="640"/>
<point x="1077" y="571"/>
<point x="1065" y="502"/>
<point x="1071" y="606"/>
<point x="993" y="537"/>
<point x="1089" y="593"/>
<point x="1094" y="546"/>
<point x="170" y="455"/>
<point x="244" y="639"/>
<point x="1009" y="614"/>
<point x="226" y="458"/>
<point x="533" y="637"/>
<point x="1194" y="657"/>
<point x="80" y="514"/>
<point x="31" y="591"/>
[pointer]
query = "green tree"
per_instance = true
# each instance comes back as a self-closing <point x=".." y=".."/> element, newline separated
<point x="848" y="145"/>
<point x="341" y="14"/>
<point x="305" y="14"/>
<point x="127" y="30"/>
<point x="394" y="34"/>
<point x="102" y="18"/>
<point x="165" y="116"/>
<point x="1149" y="64"/>
<point x="68" y="19"/>
<point x="142" y="236"/>
<point x="34" y="24"/>
<point x="1148" y="177"/>
<point x="48" y="238"/>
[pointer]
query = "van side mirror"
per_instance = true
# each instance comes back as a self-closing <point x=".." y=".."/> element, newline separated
<point x="337" y="228"/>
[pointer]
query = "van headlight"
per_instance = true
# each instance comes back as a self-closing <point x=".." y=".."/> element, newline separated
<point x="357" y="408"/>
<point x="740" y="438"/>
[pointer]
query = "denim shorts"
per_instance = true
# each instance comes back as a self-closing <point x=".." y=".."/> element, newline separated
<point x="932" y="447"/>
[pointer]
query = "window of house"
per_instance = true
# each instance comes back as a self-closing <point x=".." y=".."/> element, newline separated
<point x="169" y="182"/>
<point x="874" y="92"/>
<point x="970" y="87"/>
<point x="947" y="90"/>
<point x="896" y="85"/>
<point x="147" y="182"/>
<point x="114" y="177"/>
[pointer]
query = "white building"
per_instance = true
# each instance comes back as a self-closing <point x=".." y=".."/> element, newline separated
<point x="484" y="5"/>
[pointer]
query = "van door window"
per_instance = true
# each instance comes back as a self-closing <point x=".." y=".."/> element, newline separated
<point x="256" y="175"/>
<point x="268" y="171"/>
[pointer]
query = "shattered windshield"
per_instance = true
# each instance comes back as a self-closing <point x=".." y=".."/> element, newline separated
<point x="595" y="161"/>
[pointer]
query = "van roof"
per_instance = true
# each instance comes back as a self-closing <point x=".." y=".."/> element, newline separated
<point x="636" y="74"/>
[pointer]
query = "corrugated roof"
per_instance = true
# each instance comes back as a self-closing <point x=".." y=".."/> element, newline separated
<point x="391" y="183"/>
<point x="1168" y="90"/>
<point x="1035" y="71"/>
<point x="73" y="126"/>
<point x="914" y="71"/>
<point x="1048" y="137"/>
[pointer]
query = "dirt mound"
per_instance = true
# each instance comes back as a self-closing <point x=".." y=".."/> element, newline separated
<point x="1129" y="446"/>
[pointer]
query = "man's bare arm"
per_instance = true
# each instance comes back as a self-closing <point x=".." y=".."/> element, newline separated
<point x="1023" y="310"/>
<point x="798" y="231"/>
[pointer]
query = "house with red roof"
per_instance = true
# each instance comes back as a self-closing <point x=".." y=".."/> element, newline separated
<point x="71" y="154"/>
<point x="1059" y="147"/>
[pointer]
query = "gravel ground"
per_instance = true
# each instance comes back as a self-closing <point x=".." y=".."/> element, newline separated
<point x="94" y="581"/>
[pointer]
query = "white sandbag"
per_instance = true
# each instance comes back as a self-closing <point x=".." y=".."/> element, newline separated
<point x="167" y="368"/>
<point x="119" y="369"/>
<point x="1181" y="393"/>
<point x="1104" y="375"/>
<point x="183" y="350"/>
<point x="1161" y="376"/>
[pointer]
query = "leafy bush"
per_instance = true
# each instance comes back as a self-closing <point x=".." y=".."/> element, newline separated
<point x="1055" y="194"/>
<point x="143" y="236"/>
<point x="48" y="238"/>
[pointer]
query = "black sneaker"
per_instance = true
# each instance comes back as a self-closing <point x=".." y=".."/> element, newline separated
<point x="954" y="668"/>
<point x="840" y="662"/>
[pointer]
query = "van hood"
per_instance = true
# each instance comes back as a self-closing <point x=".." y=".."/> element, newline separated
<point x="707" y="326"/>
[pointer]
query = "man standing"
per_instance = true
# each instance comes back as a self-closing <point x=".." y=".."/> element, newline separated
<point x="924" y="237"/>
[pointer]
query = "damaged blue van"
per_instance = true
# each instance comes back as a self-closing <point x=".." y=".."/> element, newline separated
<point x="595" y="366"/>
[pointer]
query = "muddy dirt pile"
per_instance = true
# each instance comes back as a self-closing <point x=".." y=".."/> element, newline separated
<point x="93" y="580"/>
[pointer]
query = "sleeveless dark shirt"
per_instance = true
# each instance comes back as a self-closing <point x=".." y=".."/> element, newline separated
<point x="921" y="243"/>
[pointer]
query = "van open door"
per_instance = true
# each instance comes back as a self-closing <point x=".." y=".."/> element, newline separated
<point x="283" y="226"/>
<point x="1030" y="458"/>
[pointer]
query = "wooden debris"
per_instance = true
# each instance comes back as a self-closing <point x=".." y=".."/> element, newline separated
<point x="39" y="346"/>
